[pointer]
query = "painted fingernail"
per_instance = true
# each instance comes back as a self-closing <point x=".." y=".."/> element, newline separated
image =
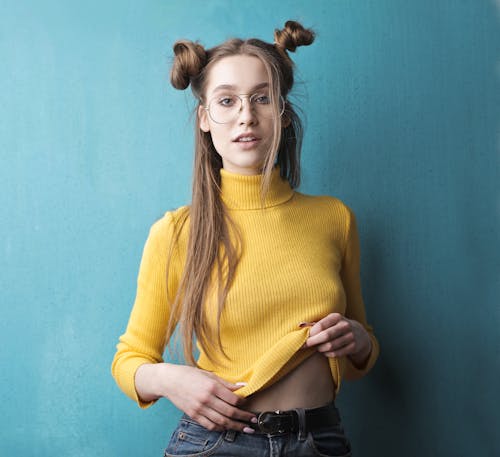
<point x="253" y="420"/>
<point x="248" y="430"/>
<point x="306" y="324"/>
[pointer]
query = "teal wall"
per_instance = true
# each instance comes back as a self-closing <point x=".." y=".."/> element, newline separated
<point x="402" y="103"/>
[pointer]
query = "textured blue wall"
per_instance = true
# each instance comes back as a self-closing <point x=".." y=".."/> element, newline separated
<point x="402" y="103"/>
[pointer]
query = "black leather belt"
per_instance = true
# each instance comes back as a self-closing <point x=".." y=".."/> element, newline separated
<point x="274" y="422"/>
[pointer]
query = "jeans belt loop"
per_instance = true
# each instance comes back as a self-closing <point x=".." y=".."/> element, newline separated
<point x="301" y="414"/>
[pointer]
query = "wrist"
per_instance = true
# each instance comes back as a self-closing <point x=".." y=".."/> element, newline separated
<point x="150" y="381"/>
<point x="161" y="378"/>
<point x="360" y="358"/>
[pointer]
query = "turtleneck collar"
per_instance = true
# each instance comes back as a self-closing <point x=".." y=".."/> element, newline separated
<point x="244" y="191"/>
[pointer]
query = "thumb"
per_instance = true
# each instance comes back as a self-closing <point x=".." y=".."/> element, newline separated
<point x="227" y="384"/>
<point x="235" y="386"/>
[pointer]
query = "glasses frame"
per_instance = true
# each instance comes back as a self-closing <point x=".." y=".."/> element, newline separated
<point x="249" y="96"/>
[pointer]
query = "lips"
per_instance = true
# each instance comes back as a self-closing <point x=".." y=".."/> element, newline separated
<point x="246" y="138"/>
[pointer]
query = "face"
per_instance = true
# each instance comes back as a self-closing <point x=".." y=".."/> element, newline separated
<point x="244" y="141"/>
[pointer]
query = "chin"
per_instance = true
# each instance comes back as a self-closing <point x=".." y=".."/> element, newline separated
<point x="248" y="166"/>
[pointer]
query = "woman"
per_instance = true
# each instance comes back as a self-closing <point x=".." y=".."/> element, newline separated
<point x="264" y="278"/>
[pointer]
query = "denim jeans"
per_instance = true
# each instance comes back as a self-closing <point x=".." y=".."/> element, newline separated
<point x="190" y="439"/>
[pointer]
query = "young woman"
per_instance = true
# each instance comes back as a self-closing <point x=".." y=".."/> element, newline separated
<point x="264" y="278"/>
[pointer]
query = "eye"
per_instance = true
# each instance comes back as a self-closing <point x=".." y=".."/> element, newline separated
<point x="226" y="101"/>
<point x="261" y="99"/>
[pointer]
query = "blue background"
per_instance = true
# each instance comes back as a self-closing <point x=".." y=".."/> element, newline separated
<point x="402" y="103"/>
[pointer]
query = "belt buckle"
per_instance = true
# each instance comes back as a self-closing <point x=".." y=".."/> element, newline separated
<point x="268" y="425"/>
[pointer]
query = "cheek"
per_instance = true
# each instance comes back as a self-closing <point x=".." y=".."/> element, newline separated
<point x="220" y="137"/>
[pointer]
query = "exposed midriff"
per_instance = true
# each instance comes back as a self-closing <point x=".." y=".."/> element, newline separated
<point x="309" y="385"/>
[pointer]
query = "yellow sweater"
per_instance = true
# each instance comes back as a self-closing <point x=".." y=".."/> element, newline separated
<point x="299" y="262"/>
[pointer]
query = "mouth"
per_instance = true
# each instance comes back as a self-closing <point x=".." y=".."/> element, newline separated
<point x="246" y="138"/>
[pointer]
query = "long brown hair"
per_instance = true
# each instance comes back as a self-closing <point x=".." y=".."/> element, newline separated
<point x="213" y="241"/>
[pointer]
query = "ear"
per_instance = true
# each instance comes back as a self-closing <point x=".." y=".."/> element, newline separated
<point x="203" y="118"/>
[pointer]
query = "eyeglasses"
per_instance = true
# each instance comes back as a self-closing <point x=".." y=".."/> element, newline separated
<point x="227" y="107"/>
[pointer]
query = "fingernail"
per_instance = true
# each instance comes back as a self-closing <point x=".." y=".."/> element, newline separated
<point x="306" y="324"/>
<point x="248" y="430"/>
<point x="240" y="384"/>
<point x="253" y="420"/>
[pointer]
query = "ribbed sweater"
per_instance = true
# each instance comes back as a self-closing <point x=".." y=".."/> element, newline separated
<point x="299" y="262"/>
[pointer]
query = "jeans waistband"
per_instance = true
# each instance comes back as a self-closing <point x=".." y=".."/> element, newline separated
<point x="296" y="420"/>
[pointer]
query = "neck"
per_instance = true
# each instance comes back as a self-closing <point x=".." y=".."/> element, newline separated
<point x="242" y="192"/>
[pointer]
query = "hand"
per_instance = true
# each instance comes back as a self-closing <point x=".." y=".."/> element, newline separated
<point x="205" y="397"/>
<point x="337" y="336"/>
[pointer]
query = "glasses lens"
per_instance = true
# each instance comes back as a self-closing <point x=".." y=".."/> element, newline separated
<point x="226" y="108"/>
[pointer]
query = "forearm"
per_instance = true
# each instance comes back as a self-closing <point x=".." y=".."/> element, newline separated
<point x="150" y="380"/>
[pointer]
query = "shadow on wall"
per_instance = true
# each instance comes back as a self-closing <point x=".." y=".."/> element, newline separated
<point x="424" y="159"/>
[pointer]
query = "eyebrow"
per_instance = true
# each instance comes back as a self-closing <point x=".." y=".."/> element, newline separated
<point x="231" y="87"/>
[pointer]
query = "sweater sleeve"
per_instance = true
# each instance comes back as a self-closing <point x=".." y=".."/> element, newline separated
<point x="145" y="337"/>
<point x="355" y="308"/>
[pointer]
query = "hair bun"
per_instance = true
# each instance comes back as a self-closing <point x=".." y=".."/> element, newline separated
<point x="292" y="36"/>
<point x="189" y="60"/>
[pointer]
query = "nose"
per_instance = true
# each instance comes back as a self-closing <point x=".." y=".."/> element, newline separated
<point x="247" y="114"/>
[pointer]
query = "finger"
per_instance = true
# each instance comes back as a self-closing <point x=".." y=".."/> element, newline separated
<point x="337" y="343"/>
<point x="227" y="395"/>
<point x="225" y="401"/>
<point x="215" y="414"/>
<point x="225" y="422"/>
<point x="342" y="352"/>
<point x="201" y="410"/>
<point x="323" y="337"/>
<point x="235" y="386"/>
<point x="328" y="321"/>
<point x="207" y="423"/>
<point x="230" y="411"/>
<point x="229" y="385"/>
<point x="329" y="334"/>
<point x="215" y="389"/>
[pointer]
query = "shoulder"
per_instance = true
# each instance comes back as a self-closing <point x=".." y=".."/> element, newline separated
<point x="329" y="212"/>
<point x="170" y="224"/>
<point x="327" y="205"/>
